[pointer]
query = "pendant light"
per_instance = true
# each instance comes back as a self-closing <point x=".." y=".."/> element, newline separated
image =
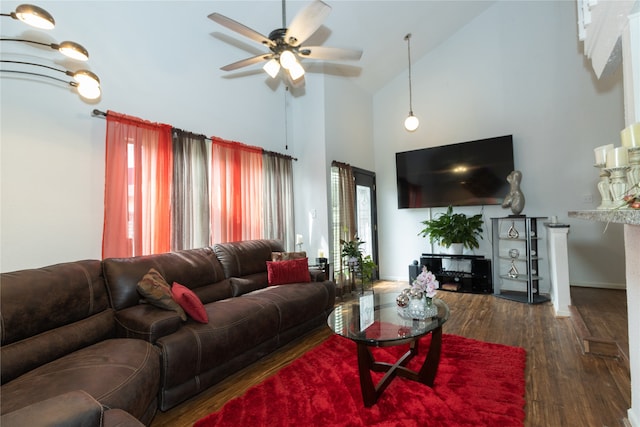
<point x="411" y="123"/>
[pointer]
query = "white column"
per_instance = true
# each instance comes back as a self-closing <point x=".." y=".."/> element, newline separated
<point x="631" y="79"/>
<point x="559" y="268"/>
<point x="632" y="255"/>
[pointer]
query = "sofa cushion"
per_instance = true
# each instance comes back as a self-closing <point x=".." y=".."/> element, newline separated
<point x="244" y="285"/>
<point x="156" y="291"/>
<point x="198" y="269"/>
<point x="286" y="256"/>
<point x="285" y="272"/>
<point x="49" y="312"/>
<point x="118" y="373"/>
<point x="247" y="257"/>
<point x="189" y="302"/>
<point x="75" y="408"/>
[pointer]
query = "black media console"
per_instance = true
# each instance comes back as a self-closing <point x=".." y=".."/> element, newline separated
<point x="457" y="273"/>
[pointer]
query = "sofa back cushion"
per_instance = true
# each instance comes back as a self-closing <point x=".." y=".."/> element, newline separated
<point x="246" y="258"/>
<point x="49" y="312"/>
<point x="197" y="269"/>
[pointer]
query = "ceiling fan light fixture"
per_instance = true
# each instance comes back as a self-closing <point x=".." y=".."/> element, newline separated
<point x="272" y="67"/>
<point x="34" y="16"/>
<point x="296" y="71"/>
<point x="288" y="59"/>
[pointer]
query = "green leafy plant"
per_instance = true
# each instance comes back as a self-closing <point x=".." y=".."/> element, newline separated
<point x="448" y="228"/>
<point x="351" y="250"/>
<point x="368" y="269"/>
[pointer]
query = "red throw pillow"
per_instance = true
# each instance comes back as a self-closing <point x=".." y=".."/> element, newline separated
<point x="284" y="272"/>
<point x="190" y="302"/>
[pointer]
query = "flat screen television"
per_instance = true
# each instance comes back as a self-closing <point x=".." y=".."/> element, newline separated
<point x="464" y="174"/>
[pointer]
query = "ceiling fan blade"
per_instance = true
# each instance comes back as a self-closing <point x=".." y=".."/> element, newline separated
<point x="240" y="29"/>
<point x="331" y="53"/>
<point x="247" y="62"/>
<point x="306" y="22"/>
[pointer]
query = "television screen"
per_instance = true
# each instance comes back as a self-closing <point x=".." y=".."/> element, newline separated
<point x="463" y="174"/>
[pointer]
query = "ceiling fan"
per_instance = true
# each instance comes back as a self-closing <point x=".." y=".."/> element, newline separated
<point x="286" y="44"/>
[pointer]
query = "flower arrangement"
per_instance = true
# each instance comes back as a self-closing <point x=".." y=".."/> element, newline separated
<point x="426" y="283"/>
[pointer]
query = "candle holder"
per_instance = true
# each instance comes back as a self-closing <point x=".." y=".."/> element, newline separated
<point x="633" y="175"/>
<point x="618" y="185"/>
<point x="604" y="188"/>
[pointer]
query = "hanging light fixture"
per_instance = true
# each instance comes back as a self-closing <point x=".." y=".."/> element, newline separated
<point x="67" y="48"/>
<point x="86" y="82"/>
<point x="33" y="15"/>
<point x="411" y="123"/>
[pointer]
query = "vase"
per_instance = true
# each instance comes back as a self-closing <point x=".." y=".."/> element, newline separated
<point x="421" y="308"/>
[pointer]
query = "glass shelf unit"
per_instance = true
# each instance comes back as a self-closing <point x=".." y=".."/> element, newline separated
<point x="515" y="258"/>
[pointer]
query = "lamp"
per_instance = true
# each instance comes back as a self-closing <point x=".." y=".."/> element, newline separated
<point x="296" y="71"/>
<point x="67" y="48"/>
<point x="272" y="68"/>
<point x="86" y="82"/>
<point x="33" y="15"/>
<point x="411" y="123"/>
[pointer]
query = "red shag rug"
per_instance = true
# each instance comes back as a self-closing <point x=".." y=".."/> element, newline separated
<point x="478" y="384"/>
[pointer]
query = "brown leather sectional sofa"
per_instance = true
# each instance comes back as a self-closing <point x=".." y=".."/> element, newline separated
<point x="78" y="332"/>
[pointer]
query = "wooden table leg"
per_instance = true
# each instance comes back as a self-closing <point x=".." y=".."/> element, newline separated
<point x="365" y="365"/>
<point x="427" y="374"/>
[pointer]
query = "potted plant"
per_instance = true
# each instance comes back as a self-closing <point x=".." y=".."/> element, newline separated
<point x="449" y="228"/>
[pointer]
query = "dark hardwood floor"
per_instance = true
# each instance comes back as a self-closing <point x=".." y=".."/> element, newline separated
<point x="565" y="387"/>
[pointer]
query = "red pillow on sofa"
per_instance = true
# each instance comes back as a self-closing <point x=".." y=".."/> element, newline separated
<point x="292" y="271"/>
<point x="190" y="302"/>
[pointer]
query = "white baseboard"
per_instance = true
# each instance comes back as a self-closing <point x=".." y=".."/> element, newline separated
<point x="618" y="286"/>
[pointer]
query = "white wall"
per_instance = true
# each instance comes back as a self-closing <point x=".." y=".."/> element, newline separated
<point x="516" y="69"/>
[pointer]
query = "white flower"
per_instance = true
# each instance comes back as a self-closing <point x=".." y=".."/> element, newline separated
<point x="426" y="282"/>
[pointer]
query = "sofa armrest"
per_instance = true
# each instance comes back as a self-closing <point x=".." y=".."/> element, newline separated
<point x="146" y="322"/>
<point x="75" y="408"/>
<point x="317" y="274"/>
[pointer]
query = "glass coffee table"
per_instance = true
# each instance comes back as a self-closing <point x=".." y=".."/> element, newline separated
<point x="373" y="320"/>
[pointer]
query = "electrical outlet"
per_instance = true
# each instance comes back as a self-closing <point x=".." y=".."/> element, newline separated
<point x="587" y="198"/>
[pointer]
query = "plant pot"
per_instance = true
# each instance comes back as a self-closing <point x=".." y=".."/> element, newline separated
<point x="455" y="249"/>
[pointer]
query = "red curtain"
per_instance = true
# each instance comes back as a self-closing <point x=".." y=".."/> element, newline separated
<point x="236" y="206"/>
<point x="137" y="217"/>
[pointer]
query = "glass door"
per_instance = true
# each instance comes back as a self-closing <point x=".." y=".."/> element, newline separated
<point x="366" y="218"/>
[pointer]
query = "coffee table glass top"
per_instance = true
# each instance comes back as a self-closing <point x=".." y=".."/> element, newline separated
<point x="375" y="319"/>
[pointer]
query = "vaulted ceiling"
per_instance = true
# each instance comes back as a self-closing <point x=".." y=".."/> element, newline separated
<point x="376" y="27"/>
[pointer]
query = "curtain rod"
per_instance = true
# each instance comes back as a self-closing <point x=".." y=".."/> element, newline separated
<point x="98" y="113"/>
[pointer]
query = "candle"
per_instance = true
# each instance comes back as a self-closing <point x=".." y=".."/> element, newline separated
<point x="630" y="136"/>
<point x="617" y="157"/>
<point x="601" y="153"/>
<point x="320" y="253"/>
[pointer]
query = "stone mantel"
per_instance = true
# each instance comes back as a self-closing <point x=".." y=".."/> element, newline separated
<point x="618" y="216"/>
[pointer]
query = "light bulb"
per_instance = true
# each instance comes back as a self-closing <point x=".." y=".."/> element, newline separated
<point x="89" y="91"/>
<point x="86" y="78"/>
<point x="287" y="59"/>
<point x="272" y="68"/>
<point x="411" y="123"/>
<point x="296" y="71"/>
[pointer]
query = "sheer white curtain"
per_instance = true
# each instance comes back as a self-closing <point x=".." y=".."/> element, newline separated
<point x="278" y="219"/>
